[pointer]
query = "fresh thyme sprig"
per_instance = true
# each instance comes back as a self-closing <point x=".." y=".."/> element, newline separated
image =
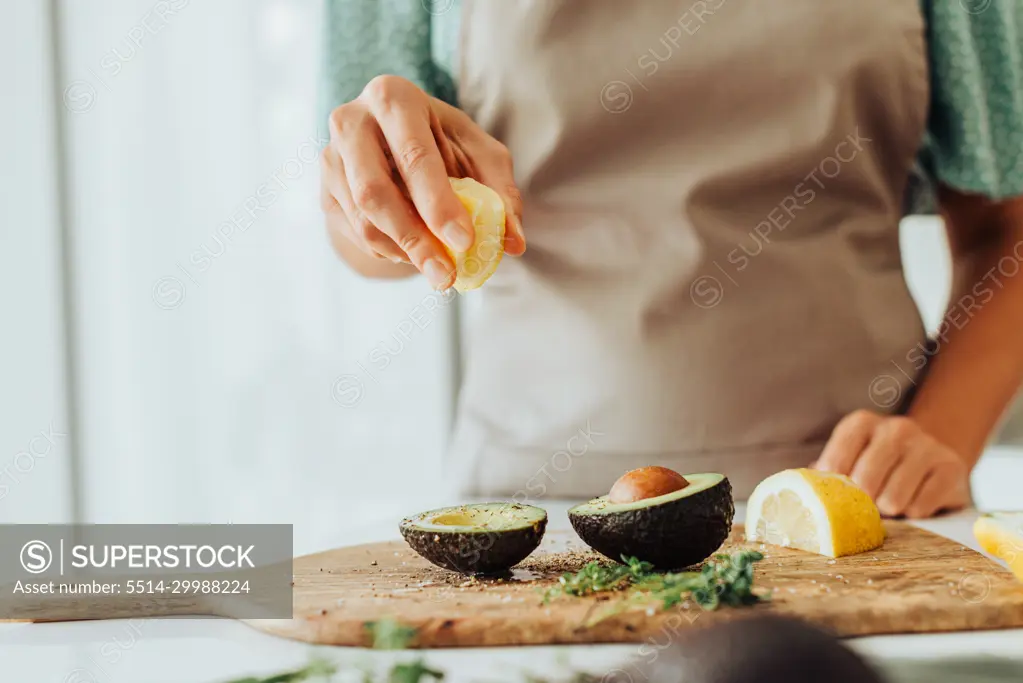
<point x="725" y="579"/>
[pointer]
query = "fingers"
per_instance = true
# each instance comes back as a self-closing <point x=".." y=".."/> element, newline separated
<point x="849" y="438"/>
<point x="378" y="205"/>
<point x="455" y="162"/>
<point x="514" y="237"/>
<point x="386" y="171"/>
<point x="904" y="469"/>
<point x="928" y="499"/>
<point x="356" y="227"/>
<point x="943" y="489"/>
<point x="410" y="137"/>
<point x="494" y="169"/>
<point x="883" y="454"/>
<point x="491" y="164"/>
<point x="904" y="483"/>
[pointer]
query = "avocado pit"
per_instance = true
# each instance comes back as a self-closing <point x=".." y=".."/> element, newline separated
<point x="646" y="482"/>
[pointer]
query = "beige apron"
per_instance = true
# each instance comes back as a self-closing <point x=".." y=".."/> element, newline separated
<point x="712" y="191"/>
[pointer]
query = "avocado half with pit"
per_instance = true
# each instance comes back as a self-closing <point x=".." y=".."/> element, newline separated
<point x="483" y="538"/>
<point x="673" y="530"/>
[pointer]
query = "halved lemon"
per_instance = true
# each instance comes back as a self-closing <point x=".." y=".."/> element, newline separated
<point x="474" y="266"/>
<point x="1001" y="534"/>
<point x="820" y="512"/>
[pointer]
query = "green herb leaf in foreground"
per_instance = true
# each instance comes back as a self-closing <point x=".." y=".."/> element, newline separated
<point x="318" y="668"/>
<point x="403" y="672"/>
<point x="388" y="634"/>
<point x="725" y="579"/>
<point x="413" y="672"/>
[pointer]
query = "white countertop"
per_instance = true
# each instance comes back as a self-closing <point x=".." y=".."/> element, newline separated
<point x="214" y="650"/>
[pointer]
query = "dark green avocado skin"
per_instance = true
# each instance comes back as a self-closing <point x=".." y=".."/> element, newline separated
<point x="676" y="534"/>
<point x="480" y="552"/>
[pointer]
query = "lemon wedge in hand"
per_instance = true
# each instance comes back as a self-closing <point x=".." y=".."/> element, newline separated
<point x="1001" y="534"/>
<point x="475" y="265"/>
<point x="820" y="512"/>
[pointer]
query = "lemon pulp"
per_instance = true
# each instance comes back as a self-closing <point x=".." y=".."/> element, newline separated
<point x="475" y="265"/>
<point x="787" y="522"/>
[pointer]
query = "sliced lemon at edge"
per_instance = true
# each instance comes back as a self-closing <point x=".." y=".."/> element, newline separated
<point x="1001" y="535"/>
<point x="474" y="266"/>
<point x="820" y="512"/>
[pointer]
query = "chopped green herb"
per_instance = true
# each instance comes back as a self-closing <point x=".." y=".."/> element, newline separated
<point x="599" y="578"/>
<point x="413" y="672"/>
<point x="317" y="668"/>
<point x="388" y="634"/>
<point x="723" y="580"/>
<point x="405" y="672"/>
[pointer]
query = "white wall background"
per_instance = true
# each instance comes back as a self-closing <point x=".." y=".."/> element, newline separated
<point x="207" y="357"/>
<point x="205" y="363"/>
<point x="34" y="461"/>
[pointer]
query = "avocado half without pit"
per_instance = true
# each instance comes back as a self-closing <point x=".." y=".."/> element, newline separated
<point x="659" y="516"/>
<point x="483" y="538"/>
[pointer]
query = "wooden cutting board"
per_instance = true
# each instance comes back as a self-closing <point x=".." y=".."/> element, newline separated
<point x="919" y="582"/>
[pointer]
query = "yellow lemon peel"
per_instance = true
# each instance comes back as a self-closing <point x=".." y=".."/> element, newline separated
<point x="820" y="512"/>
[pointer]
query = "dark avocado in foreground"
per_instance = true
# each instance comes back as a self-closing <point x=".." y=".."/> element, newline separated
<point x="767" y="649"/>
<point x="671" y="531"/>
<point x="483" y="538"/>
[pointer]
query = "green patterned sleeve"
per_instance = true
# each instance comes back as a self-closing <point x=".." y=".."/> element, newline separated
<point x="975" y="129"/>
<point x="367" y="38"/>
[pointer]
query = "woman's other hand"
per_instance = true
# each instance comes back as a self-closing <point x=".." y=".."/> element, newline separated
<point x="384" y="180"/>
<point x="902" y="467"/>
